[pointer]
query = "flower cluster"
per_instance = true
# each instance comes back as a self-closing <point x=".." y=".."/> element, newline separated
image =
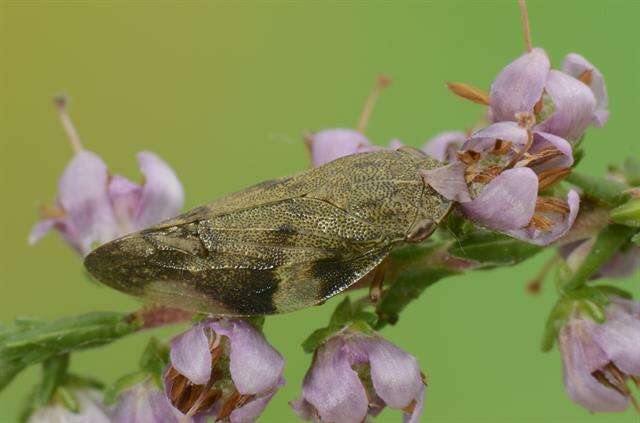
<point x="93" y="206"/>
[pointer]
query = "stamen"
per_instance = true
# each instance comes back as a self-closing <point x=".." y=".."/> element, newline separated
<point x="409" y="408"/>
<point x="229" y="406"/>
<point x="586" y="77"/>
<point x="621" y="384"/>
<point x="382" y="81"/>
<point x="522" y="152"/>
<point x="469" y="92"/>
<point x="67" y="124"/>
<point x="468" y="157"/>
<point x="501" y="147"/>
<point x="541" y="223"/>
<point x="551" y="176"/>
<point x="526" y="29"/>
<point x="551" y="204"/>
<point x="540" y="157"/>
<point x="51" y="212"/>
<point x="537" y="108"/>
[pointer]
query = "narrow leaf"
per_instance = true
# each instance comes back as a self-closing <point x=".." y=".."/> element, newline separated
<point x="493" y="249"/>
<point x="607" y="244"/>
<point x="600" y="189"/>
<point x="22" y="348"/>
<point x="407" y="287"/>
<point x="628" y="213"/>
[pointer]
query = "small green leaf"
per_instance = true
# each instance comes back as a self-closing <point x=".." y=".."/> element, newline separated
<point x="54" y="372"/>
<point x="636" y="239"/>
<point x="342" y="314"/>
<point x="557" y="318"/>
<point x="67" y="399"/>
<point x="593" y="310"/>
<point x="607" y="244"/>
<point x="614" y="291"/>
<point x="600" y="189"/>
<point x="112" y="392"/>
<point x="407" y="286"/>
<point x="155" y="357"/>
<point x="627" y="214"/>
<point x="416" y="252"/>
<point x="316" y="338"/>
<point x="22" y="348"/>
<point x="492" y="248"/>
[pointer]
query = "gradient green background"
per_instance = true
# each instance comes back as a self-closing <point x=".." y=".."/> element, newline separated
<point x="223" y="90"/>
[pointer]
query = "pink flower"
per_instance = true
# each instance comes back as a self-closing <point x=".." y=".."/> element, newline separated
<point x="599" y="359"/>
<point x="564" y="103"/>
<point x="94" y="206"/>
<point x="224" y="369"/>
<point x="354" y="375"/>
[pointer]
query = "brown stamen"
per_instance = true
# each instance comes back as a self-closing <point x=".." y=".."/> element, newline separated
<point x="586" y="77"/>
<point x="469" y="92"/>
<point x="541" y="223"/>
<point x="620" y="384"/>
<point x="551" y="204"/>
<point x="522" y="152"/>
<point x="382" y="81"/>
<point x="468" y="157"/>
<point x="551" y="176"/>
<point x="409" y="408"/>
<point x="51" y="212"/>
<point x="540" y="157"/>
<point x="537" y="108"/>
<point x="501" y="147"/>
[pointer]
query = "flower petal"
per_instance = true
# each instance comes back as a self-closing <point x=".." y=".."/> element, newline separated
<point x="443" y="146"/>
<point x="333" y="387"/>
<point x="144" y="403"/>
<point x="449" y="181"/>
<point x="544" y="140"/>
<point x="485" y="138"/>
<point x="416" y="414"/>
<point x="519" y="85"/>
<point x="304" y="409"/>
<point x="125" y="200"/>
<point x="561" y="225"/>
<point x="255" y="365"/>
<point x="582" y="356"/>
<point x="40" y="229"/>
<point x="90" y="409"/>
<point x="507" y="202"/>
<point x="190" y="355"/>
<point x="162" y="194"/>
<point x="622" y="264"/>
<point x="249" y="412"/>
<point x="574" y="106"/>
<point x="331" y="144"/>
<point x="394" y="372"/>
<point x="575" y="65"/>
<point x="82" y="193"/>
<point x="619" y="337"/>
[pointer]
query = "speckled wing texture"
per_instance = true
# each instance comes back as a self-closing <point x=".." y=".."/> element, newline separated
<point x="278" y="246"/>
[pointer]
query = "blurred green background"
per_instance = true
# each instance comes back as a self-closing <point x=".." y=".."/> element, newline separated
<point x="223" y="90"/>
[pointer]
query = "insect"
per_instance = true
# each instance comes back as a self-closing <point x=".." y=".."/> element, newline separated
<point x="283" y="244"/>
